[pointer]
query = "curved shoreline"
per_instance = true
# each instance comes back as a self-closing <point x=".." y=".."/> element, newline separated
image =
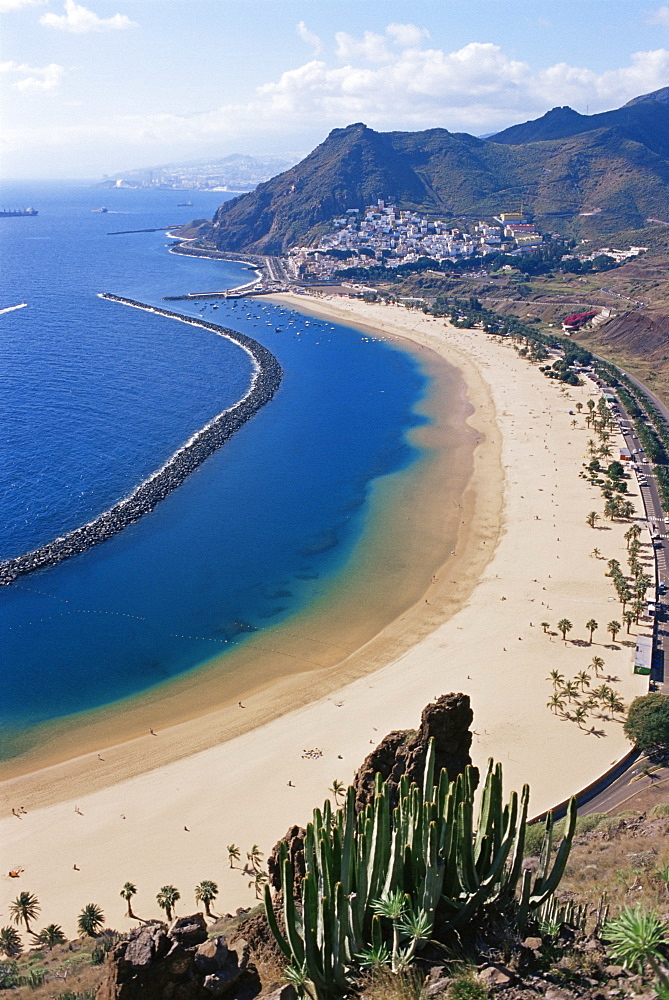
<point x="265" y="381"/>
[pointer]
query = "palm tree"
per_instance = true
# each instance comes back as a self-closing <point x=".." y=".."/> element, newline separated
<point x="255" y="856"/>
<point x="564" y="626"/>
<point x="613" y="627"/>
<point x="233" y="854"/>
<point x="592" y="447"/>
<point x="638" y="608"/>
<point x="206" y="892"/>
<point x="597" y="664"/>
<point x="596" y="553"/>
<point x="627" y="509"/>
<point x="580" y="714"/>
<point x="24" y="909"/>
<point x="571" y="690"/>
<point x="579" y="406"/>
<point x="624" y="593"/>
<point x="628" y="618"/>
<point x="167" y="898"/>
<point x="258" y="881"/>
<point x="127" y="892"/>
<point x="591" y="626"/>
<point x="614" y="567"/>
<point x="583" y="678"/>
<point x="555" y="702"/>
<point x="90" y="920"/>
<point x="641" y="585"/>
<point x="545" y="626"/>
<point x="592" y="518"/>
<point x="10" y="941"/>
<point x="556" y="677"/>
<point x="52" y="935"/>
<point x="338" y="789"/>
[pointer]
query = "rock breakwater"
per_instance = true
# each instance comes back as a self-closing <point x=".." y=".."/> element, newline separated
<point x="265" y="381"/>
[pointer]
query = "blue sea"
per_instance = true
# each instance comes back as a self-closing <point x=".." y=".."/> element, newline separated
<point x="96" y="396"/>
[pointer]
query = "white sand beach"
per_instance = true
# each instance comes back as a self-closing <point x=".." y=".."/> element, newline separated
<point x="161" y="809"/>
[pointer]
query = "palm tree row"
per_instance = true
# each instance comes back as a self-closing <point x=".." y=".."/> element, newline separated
<point x="564" y="626"/>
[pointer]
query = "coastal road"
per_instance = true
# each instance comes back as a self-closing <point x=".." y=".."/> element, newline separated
<point x="650" y="494"/>
<point x="626" y="787"/>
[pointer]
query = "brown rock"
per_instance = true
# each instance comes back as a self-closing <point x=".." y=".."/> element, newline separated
<point x="447" y="720"/>
<point x="211" y="955"/>
<point x="145" y="946"/>
<point x="295" y="840"/>
<point x="533" y="943"/>
<point x="189" y="931"/>
<point x="613" y="971"/>
<point x="285" y="992"/>
<point x="221" y="983"/>
<point x="495" y="976"/>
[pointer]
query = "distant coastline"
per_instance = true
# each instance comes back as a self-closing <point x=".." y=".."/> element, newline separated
<point x="265" y="381"/>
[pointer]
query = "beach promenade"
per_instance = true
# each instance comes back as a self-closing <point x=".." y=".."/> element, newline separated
<point x="161" y="808"/>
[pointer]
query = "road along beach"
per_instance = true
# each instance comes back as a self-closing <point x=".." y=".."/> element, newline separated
<point x="519" y="554"/>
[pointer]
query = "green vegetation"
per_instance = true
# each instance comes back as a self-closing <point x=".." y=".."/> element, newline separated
<point x="647" y="723"/>
<point x="167" y="898"/>
<point x="638" y="936"/>
<point x="91" y="920"/>
<point x="206" y="892"/>
<point x="24" y="909"/>
<point x="377" y="887"/>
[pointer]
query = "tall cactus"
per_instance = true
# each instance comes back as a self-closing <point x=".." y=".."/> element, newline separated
<point x="428" y="849"/>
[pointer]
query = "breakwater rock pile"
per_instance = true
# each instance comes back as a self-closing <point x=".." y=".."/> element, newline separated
<point x="265" y="381"/>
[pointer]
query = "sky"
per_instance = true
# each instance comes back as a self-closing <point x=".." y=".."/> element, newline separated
<point x="101" y="86"/>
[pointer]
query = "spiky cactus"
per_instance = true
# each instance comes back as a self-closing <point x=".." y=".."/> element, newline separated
<point x="427" y="849"/>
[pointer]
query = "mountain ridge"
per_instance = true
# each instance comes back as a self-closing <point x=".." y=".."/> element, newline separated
<point x="575" y="173"/>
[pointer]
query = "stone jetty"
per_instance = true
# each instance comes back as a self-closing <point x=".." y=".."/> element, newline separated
<point x="265" y="381"/>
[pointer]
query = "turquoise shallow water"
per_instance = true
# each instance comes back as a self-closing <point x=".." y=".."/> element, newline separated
<point x="97" y="396"/>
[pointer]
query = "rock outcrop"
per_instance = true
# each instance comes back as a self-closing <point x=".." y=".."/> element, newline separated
<point x="402" y="752"/>
<point x="178" y="963"/>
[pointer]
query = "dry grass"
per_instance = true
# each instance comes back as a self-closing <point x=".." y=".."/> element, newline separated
<point x="382" y="984"/>
<point x="68" y="969"/>
<point x="624" y="857"/>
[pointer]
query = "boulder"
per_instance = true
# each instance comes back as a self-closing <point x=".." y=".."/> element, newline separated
<point x="495" y="976"/>
<point x="145" y="945"/>
<point x="403" y="752"/>
<point x="285" y="992"/>
<point x="211" y="955"/>
<point x="294" y="838"/>
<point x="219" y="984"/>
<point x="189" y="931"/>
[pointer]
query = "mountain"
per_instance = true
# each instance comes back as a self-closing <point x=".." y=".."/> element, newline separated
<point x="644" y="120"/>
<point x="656" y="95"/>
<point x="577" y="174"/>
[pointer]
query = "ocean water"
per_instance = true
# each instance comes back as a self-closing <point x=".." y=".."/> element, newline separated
<point x="96" y="396"/>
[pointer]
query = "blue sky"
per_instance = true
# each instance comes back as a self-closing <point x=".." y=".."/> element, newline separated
<point x="106" y="85"/>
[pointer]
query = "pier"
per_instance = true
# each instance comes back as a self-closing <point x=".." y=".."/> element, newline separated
<point x="265" y="381"/>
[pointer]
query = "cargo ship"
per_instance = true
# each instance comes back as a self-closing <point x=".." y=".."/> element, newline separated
<point x="13" y="212"/>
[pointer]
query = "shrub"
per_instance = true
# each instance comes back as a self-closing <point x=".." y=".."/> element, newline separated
<point x="647" y="723"/>
<point x="660" y="810"/>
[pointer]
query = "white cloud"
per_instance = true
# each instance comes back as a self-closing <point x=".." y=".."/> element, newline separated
<point x="79" y="20"/>
<point x="660" y="16"/>
<point x="407" y="35"/>
<point x="309" y="37"/>
<point x="6" y="6"/>
<point x="391" y="81"/>
<point x="34" y="79"/>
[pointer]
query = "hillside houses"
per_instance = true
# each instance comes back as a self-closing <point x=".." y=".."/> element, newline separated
<point x="384" y="233"/>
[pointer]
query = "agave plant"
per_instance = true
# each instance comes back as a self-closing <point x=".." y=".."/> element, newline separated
<point x="637" y="936"/>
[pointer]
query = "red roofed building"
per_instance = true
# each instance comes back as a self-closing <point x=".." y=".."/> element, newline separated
<point x="576" y="320"/>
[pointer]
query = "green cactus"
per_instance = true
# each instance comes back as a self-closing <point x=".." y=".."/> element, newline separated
<point x="425" y="857"/>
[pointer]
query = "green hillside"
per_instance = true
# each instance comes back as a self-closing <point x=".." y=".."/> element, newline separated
<point x="599" y="174"/>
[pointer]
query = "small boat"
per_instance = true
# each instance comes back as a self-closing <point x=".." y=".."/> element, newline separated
<point x="185" y="204"/>
<point x="101" y="209"/>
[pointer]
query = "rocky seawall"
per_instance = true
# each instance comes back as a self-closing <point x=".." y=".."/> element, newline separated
<point x="266" y="380"/>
